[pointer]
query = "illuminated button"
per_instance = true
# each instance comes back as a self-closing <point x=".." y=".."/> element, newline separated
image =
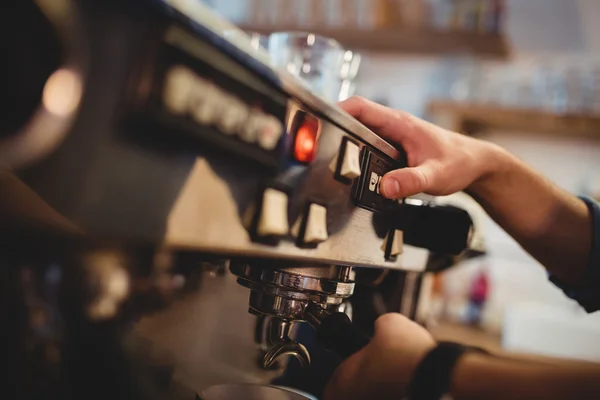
<point x="273" y="219"/>
<point x="349" y="167"/>
<point x="396" y="246"/>
<point x="234" y="113"/>
<point x="305" y="142"/>
<point x="179" y="84"/>
<point x="269" y="132"/>
<point x="311" y="228"/>
<point x="250" y="129"/>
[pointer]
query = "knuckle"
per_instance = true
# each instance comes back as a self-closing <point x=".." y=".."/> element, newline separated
<point x="358" y="100"/>
<point x="388" y="319"/>
<point x="407" y="123"/>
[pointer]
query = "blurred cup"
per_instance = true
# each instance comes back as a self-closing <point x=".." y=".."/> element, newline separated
<point x="259" y="41"/>
<point x="256" y="40"/>
<point x="315" y="60"/>
<point x="348" y="73"/>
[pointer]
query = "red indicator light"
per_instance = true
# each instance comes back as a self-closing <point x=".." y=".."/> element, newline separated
<point x="305" y="144"/>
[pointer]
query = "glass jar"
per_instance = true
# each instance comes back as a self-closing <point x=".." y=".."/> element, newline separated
<point x="314" y="59"/>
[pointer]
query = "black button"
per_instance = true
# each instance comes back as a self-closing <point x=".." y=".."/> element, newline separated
<point x="366" y="189"/>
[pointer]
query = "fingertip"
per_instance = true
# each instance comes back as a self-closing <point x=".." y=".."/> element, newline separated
<point x="353" y="104"/>
<point x="408" y="182"/>
<point x="390" y="187"/>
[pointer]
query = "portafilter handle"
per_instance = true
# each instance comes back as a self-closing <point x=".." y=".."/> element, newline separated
<point x="335" y="331"/>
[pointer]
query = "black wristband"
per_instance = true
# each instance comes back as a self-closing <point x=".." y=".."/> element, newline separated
<point x="433" y="377"/>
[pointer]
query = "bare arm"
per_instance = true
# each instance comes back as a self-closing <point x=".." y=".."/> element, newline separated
<point x="482" y="377"/>
<point x="385" y="367"/>
<point x="552" y="225"/>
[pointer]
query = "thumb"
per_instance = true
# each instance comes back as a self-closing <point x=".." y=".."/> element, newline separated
<point x="407" y="181"/>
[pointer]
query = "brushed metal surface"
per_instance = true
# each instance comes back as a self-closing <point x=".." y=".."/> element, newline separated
<point x="208" y="213"/>
<point x="211" y="185"/>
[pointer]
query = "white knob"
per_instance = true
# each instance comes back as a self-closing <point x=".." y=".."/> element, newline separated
<point x="316" y="225"/>
<point x="269" y="132"/>
<point x="350" y="165"/>
<point x="397" y="243"/>
<point x="233" y="115"/>
<point x="351" y="162"/>
<point x="273" y="219"/>
<point x="206" y="102"/>
<point x="179" y="84"/>
<point x="250" y="128"/>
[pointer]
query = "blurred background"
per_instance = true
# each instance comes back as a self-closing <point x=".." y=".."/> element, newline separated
<point x="523" y="74"/>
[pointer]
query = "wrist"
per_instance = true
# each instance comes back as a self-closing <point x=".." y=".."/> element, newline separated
<point x="495" y="163"/>
<point x="433" y="379"/>
<point x="463" y="372"/>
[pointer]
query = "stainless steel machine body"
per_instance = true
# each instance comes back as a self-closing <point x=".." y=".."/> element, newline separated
<point x="148" y="129"/>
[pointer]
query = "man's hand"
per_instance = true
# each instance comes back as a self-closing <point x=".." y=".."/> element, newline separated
<point x="552" y="225"/>
<point x="383" y="369"/>
<point x="441" y="162"/>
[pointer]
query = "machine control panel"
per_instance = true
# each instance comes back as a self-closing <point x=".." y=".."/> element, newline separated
<point x="187" y="94"/>
<point x="194" y="99"/>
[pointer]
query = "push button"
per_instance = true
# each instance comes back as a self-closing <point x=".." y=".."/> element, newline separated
<point x="249" y="130"/>
<point x="346" y="164"/>
<point x="206" y="102"/>
<point x="179" y="84"/>
<point x="273" y="219"/>
<point x="311" y="228"/>
<point x="350" y="164"/>
<point x="269" y="131"/>
<point x="393" y="244"/>
<point x="234" y="114"/>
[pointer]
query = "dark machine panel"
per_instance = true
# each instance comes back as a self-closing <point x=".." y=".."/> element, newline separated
<point x="199" y="95"/>
<point x="179" y="135"/>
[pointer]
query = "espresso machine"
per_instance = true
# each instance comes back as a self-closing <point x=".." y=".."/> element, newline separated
<point x="139" y="146"/>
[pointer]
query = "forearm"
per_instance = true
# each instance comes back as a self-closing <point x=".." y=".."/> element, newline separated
<point x="549" y="223"/>
<point x="483" y="377"/>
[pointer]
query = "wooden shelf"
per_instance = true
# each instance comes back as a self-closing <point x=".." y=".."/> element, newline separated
<point x="405" y="40"/>
<point x="472" y="119"/>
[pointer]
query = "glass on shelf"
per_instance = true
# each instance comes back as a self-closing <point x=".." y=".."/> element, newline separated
<point x="554" y="85"/>
<point x="256" y="40"/>
<point x="314" y="59"/>
<point x="348" y="73"/>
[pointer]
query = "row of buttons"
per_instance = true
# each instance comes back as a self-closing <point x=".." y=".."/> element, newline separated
<point x="186" y="93"/>
<point x="309" y="229"/>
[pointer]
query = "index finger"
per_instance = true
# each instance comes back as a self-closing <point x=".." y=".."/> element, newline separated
<point x="386" y="122"/>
